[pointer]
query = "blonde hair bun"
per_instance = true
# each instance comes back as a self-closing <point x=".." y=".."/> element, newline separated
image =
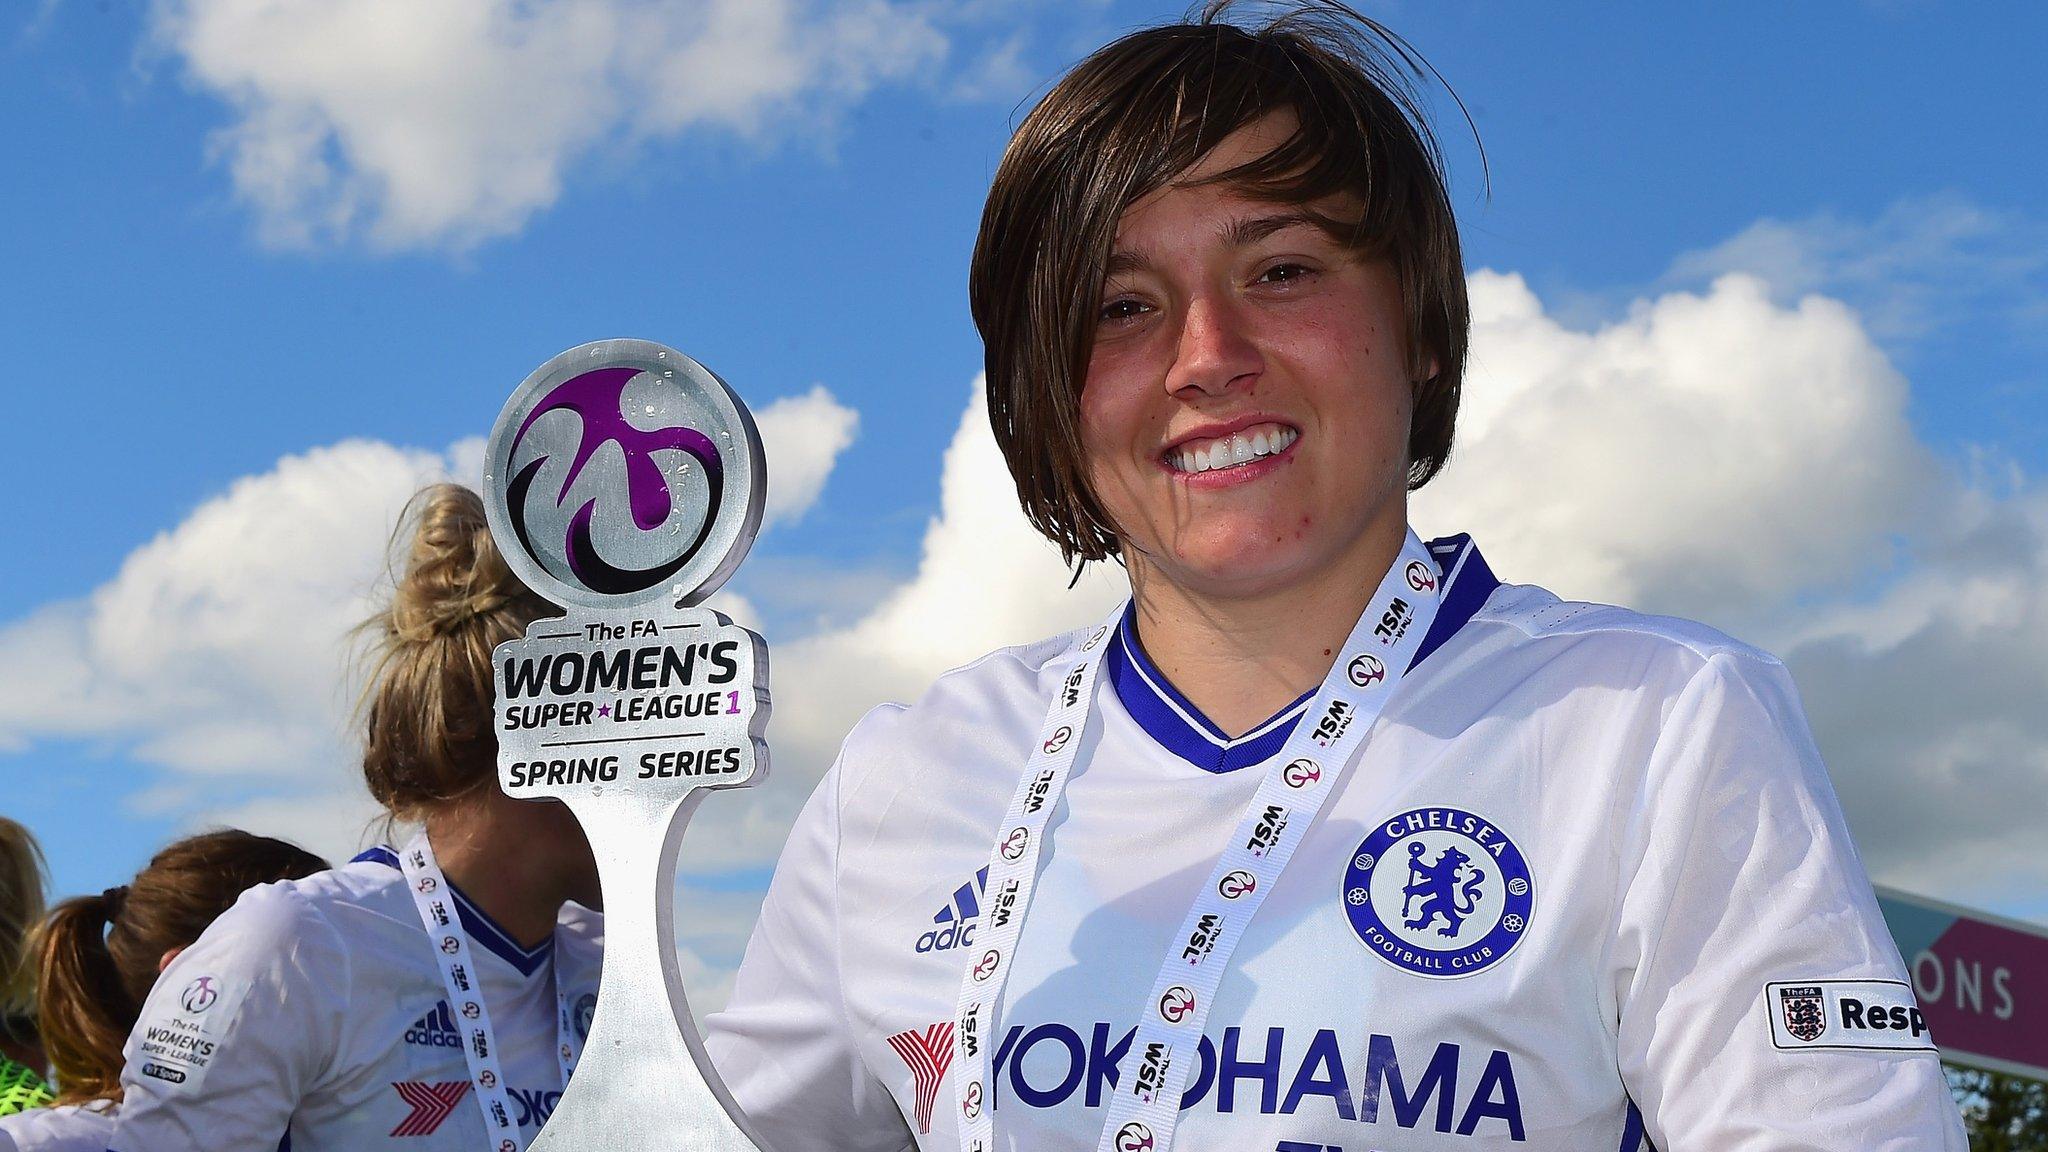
<point x="428" y="731"/>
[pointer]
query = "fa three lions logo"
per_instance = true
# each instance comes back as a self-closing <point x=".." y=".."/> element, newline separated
<point x="1441" y="893"/>
<point x="1805" y="1012"/>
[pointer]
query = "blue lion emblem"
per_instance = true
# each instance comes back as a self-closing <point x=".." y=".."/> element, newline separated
<point x="1441" y="894"/>
<point x="1448" y="927"/>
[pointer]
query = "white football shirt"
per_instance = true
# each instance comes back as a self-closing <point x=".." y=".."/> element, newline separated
<point x="312" y="1016"/>
<point x="1586" y="885"/>
<point x="62" y="1128"/>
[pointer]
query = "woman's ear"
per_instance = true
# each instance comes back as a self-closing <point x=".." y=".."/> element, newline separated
<point x="164" y="961"/>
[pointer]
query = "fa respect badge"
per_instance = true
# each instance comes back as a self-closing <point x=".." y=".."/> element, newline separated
<point x="624" y="481"/>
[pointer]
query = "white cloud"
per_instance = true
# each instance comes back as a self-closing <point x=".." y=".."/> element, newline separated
<point x="1923" y="263"/>
<point x="1927" y="699"/>
<point x="802" y="437"/>
<point x="999" y="73"/>
<point x="217" y="653"/>
<point x="1709" y="455"/>
<point x="215" y="649"/>
<point x="449" y="123"/>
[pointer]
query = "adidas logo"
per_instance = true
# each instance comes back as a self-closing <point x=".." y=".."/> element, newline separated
<point x="436" y="1029"/>
<point x="956" y="920"/>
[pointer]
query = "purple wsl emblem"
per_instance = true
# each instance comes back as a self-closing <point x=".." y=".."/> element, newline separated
<point x="595" y="398"/>
<point x="626" y="472"/>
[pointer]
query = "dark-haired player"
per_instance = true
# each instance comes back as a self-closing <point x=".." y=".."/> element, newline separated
<point x="1330" y="839"/>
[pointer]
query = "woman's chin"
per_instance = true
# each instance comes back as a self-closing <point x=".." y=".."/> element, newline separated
<point x="1233" y="565"/>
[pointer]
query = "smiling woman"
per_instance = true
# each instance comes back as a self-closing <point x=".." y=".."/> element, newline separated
<point x="1326" y="814"/>
<point x="1247" y="412"/>
<point x="1333" y="138"/>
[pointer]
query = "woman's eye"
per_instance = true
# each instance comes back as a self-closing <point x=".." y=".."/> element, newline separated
<point x="1123" y="309"/>
<point x="1284" y="273"/>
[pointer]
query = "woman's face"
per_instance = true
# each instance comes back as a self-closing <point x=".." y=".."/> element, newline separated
<point x="1246" y="409"/>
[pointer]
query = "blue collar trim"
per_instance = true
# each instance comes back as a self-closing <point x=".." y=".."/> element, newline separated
<point x="1180" y="728"/>
<point x="482" y="929"/>
<point x="1172" y="720"/>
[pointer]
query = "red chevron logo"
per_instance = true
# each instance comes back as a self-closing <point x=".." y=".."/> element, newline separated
<point x="431" y="1104"/>
<point x="928" y="1052"/>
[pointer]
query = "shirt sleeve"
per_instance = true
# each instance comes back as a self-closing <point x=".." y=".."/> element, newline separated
<point x="1762" y="1004"/>
<point x="784" y="1045"/>
<point x="237" y="1030"/>
<point x="56" y="1128"/>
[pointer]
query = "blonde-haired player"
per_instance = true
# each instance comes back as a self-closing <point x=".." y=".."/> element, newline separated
<point x="431" y="995"/>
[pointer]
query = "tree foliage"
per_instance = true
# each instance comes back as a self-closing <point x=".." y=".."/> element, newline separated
<point x="2001" y="1113"/>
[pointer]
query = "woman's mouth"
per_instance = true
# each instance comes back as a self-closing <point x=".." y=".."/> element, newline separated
<point x="1241" y="447"/>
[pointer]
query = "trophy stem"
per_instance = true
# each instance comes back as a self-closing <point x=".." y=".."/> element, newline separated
<point x="644" y="1073"/>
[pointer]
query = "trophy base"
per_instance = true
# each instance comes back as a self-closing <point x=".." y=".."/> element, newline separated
<point x="644" y="1082"/>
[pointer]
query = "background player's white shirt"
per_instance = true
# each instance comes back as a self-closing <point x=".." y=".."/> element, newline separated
<point x="312" y="1016"/>
<point x="63" y="1128"/>
<point x="1655" y="778"/>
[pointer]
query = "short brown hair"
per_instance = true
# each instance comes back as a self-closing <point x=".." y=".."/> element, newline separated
<point x="100" y="953"/>
<point x="428" y="734"/>
<point x="1123" y="124"/>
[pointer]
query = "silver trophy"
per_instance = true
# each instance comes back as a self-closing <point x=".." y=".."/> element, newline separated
<point x="624" y="481"/>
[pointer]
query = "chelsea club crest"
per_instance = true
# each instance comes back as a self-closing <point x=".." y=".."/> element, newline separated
<point x="1439" y="892"/>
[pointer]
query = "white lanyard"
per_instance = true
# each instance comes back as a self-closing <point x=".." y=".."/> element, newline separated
<point x="1146" y="1105"/>
<point x="435" y="900"/>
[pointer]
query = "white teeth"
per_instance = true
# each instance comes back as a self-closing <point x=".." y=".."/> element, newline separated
<point x="1241" y="448"/>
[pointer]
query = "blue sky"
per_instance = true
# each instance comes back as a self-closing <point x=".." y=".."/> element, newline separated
<point x="239" y="237"/>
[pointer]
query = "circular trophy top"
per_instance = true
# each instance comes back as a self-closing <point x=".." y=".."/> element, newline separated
<point x="623" y="473"/>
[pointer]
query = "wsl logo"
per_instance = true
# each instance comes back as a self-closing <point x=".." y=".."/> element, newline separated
<point x="1152" y="1070"/>
<point x="559" y="522"/>
<point x="626" y="471"/>
<point x="1003" y="908"/>
<point x="1237" y="883"/>
<point x="1439" y="892"/>
<point x="1176" y="1003"/>
<point x="199" y="995"/>
<point x="1202" y="941"/>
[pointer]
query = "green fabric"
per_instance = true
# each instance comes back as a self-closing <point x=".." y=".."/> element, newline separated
<point x="20" y="1088"/>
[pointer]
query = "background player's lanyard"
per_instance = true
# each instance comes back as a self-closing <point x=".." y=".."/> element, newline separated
<point x="1146" y="1104"/>
<point x="435" y="900"/>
